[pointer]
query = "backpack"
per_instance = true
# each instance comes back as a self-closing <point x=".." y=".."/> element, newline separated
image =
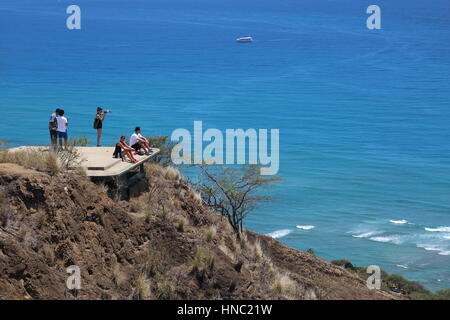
<point x="117" y="152"/>
<point x="54" y="123"/>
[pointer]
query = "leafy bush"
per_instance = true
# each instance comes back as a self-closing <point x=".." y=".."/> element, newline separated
<point x="165" y="146"/>
<point x="409" y="287"/>
<point x="343" y="263"/>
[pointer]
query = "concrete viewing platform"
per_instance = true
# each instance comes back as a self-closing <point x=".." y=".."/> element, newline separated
<point x="99" y="161"/>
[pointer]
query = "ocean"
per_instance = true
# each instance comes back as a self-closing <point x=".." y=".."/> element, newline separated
<point x="364" y="115"/>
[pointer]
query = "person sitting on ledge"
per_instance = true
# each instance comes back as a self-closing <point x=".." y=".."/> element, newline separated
<point x="123" y="149"/>
<point x="138" y="142"/>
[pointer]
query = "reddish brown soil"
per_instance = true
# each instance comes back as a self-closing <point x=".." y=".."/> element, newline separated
<point x="48" y="223"/>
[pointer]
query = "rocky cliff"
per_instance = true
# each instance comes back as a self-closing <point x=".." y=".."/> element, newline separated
<point x="163" y="245"/>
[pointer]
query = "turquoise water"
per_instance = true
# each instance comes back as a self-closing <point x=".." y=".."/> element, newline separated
<point x="363" y="115"/>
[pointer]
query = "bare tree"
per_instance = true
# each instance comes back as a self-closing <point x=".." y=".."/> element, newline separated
<point x="233" y="192"/>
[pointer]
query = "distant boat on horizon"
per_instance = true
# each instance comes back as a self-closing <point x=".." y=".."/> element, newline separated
<point x="244" y="39"/>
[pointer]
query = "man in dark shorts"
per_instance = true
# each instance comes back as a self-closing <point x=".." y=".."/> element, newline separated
<point x="53" y="126"/>
<point x="138" y="141"/>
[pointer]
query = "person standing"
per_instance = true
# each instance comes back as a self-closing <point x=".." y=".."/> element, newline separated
<point x="98" y="123"/>
<point x="62" y="128"/>
<point x="53" y="126"/>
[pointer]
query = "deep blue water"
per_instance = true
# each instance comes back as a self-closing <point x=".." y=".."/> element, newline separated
<point x="364" y="115"/>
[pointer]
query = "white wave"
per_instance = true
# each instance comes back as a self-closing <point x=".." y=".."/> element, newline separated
<point x="447" y="237"/>
<point x="439" y="229"/>
<point x="366" y="234"/>
<point x="429" y="247"/>
<point x="279" y="233"/>
<point x="391" y="239"/>
<point x="398" y="221"/>
<point x="305" y="227"/>
<point x="402" y="266"/>
<point x="440" y="251"/>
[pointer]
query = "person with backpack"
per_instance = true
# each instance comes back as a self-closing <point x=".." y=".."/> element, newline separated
<point x="98" y="123"/>
<point x="53" y="126"/>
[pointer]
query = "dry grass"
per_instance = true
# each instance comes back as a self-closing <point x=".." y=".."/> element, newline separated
<point x="28" y="159"/>
<point x="80" y="171"/>
<point x="49" y="254"/>
<point x="174" y="203"/>
<point x="284" y="285"/>
<point x="164" y="290"/>
<point x="256" y="250"/>
<point x="52" y="163"/>
<point x="244" y="240"/>
<point x="119" y="277"/>
<point x="237" y="249"/>
<point x="104" y="188"/>
<point x="182" y="223"/>
<point x="151" y="264"/>
<point x="153" y="170"/>
<point x="225" y="226"/>
<point x="203" y="261"/>
<point x="197" y="197"/>
<point x="154" y="204"/>
<point x="210" y="233"/>
<point x="44" y="160"/>
<point x="136" y="205"/>
<point x="165" y="215"/>
<point x="226" y="251"/>
<point x="147" y="217"/>
<point x="143" y="288"/>
<point x="172" y="174"/>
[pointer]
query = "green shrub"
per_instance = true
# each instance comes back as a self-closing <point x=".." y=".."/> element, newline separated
<point x="344" y="263"/>
<point x="165" y="149"/>
<point x="443" y="294"/>
<point x="409" y="287"/>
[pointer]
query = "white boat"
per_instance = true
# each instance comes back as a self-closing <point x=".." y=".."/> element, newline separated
<point x="244" y="39"/>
